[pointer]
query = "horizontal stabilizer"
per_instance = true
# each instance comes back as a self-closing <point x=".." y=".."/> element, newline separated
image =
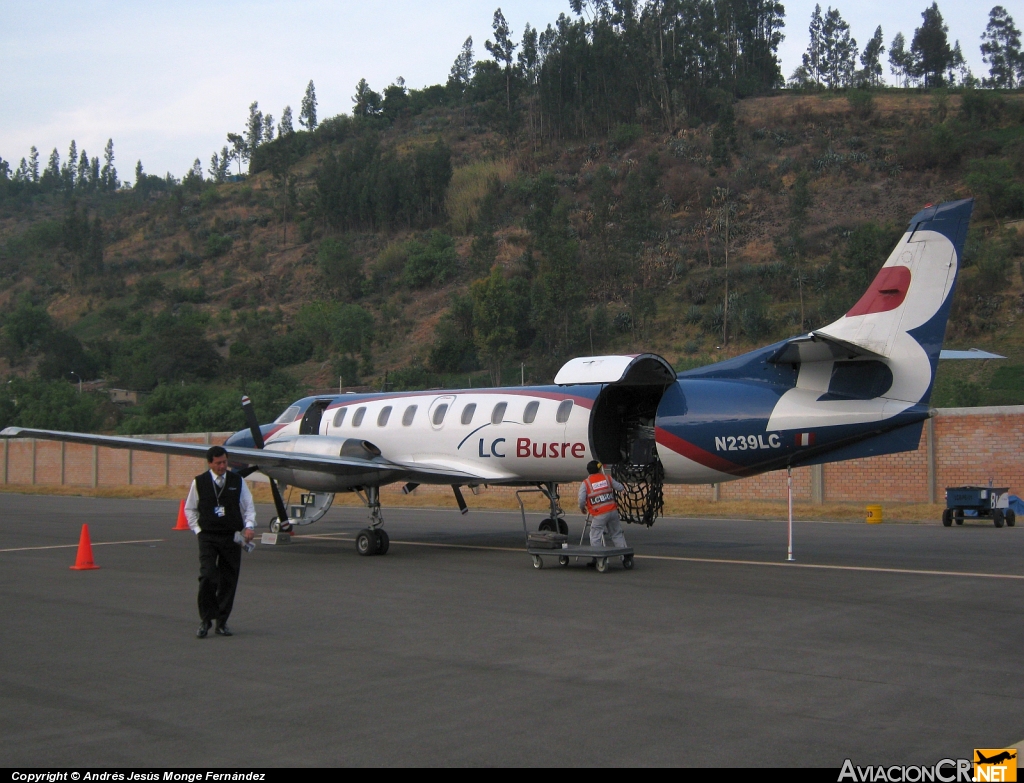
<point x="816" y="347"/>
<point x="970" y="353"/>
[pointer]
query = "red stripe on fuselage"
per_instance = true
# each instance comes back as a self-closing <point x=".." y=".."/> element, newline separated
<point x="696" y="453"/>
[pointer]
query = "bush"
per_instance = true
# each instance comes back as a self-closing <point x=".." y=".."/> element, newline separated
<point x="469" y="187"/>
<point x="342" y="271"/>
<point x="994" y="181"/>
<point x="217" y="245"/>
<point x="433" y="263"/>
<point x="862" y="104"/>
<point x="624" y="135"/>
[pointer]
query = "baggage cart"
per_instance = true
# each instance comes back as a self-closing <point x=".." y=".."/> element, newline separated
<point x="992" y="502"/>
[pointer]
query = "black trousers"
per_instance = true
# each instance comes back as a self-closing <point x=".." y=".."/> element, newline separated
<point x="219" y="561"/>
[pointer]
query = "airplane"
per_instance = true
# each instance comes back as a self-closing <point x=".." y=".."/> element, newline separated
<point x="858" y="387"/>
<point x="996" y="759"/>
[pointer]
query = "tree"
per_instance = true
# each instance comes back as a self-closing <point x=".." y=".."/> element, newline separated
<point x="367" y="102"/>
<point x="108" y="176"/>
<point x="813" y="56"/>
<point x="396" y="100"/>
<point x="1000" y="50"/>
<point x="502" y="50"/>
<point x="68" y="170"/>
<point x="268" y="128"/>
<point x="461" y="73"/>
<point x="253" y="129"/>
<point x="494" y="320"/>
<point x="838" y="50"/>
<point x="932" y="55"/>
<point x="219" y="165"/>
<point x="82" y="177"/>
<point x="285" y="128"/>
<point x="33" y="164"/>
<point x="52" y="175"/>
<point x="237" y="150"/>
<point x="900" y="60"/>
<point x="140" y="175"/>
<point x="871" y="59"/>
<point x="307" y="111"/>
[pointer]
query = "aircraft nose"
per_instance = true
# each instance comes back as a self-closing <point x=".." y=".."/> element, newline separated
<point x="242" y="439"/>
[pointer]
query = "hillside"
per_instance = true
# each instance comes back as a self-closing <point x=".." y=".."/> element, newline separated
<point x="430" y="250"/>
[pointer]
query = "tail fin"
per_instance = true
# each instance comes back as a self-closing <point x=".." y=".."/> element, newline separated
<point x="902" y="316"/>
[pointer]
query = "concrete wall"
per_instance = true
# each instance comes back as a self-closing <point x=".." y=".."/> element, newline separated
<point x="958" y="446"/>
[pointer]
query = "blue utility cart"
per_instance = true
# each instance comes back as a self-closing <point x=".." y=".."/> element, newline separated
<point x="992" y="502"/>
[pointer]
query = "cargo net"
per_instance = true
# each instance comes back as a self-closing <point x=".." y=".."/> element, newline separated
<point x="643" y="501"/>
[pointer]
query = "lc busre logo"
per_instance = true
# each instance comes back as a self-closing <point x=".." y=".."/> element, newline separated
<point x="995" y="764"/>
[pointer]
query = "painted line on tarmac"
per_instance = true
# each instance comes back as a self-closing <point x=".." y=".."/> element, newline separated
<point x="74" y="546"/>
<point x="719" y="561"/>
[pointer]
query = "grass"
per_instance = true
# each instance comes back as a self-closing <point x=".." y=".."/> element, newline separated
<point x="468" y="187"/>
<point x="503" y="499"/>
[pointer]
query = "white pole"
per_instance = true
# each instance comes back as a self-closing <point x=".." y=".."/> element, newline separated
<point x="789" y="488"/>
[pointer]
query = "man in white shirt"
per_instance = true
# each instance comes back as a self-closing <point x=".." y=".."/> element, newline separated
<point x="219" y="505"/>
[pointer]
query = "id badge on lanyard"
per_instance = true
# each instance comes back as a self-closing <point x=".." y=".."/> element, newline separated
<point x="219" y="509"/>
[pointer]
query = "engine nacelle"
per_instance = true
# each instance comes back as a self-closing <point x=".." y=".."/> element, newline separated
<point x="326" y="446"/>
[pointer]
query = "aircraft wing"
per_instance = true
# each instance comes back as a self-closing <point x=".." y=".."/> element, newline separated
<point x="263" y="458"/>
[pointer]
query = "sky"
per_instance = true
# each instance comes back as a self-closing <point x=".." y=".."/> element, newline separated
<point x="167" y="81"/>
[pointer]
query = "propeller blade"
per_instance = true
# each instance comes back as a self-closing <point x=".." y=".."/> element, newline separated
<point x="459" y="499"/>
<point x="282" y="512"/>
<point x="252" y="422"/>
<point x="257" y="437"/>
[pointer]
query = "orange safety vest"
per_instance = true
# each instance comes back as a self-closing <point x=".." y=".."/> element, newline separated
<point x="600" y="495"/>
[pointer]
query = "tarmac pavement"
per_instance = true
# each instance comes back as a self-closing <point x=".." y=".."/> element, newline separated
<point x="899" y="646"/>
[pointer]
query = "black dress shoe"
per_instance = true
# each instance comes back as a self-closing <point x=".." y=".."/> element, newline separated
<point x="204" y="629"/>
<point x="223" y="630"/>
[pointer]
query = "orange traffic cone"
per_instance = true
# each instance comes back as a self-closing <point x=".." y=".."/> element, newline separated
<point x="182" y="521"/>
<point x="84" y="560"/>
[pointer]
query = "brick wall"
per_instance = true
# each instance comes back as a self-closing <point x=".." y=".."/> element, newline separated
<point x="958" y="446"/>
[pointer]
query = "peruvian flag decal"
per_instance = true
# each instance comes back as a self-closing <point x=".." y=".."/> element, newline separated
<point x="805" y="439"/>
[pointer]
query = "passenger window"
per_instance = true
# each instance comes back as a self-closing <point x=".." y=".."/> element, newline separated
<point x="439" y="413"/>
<point x="498" y="414"/>
<point x="339" y="417"/>
<point x="531" y="412"/>
<point x="357" y="417"/>
<point x="564" y="409"/>
<point x="467" y="413"/>
<point x="408" y="416"/>
<point x="383" y="416"/>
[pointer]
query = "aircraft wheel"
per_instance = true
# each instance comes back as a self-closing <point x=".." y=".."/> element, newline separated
<point x="287" y="527"/>
<point x="1011" y="518"/>
<point x="275" y="525"/>
<point x="367" y="542"/>
<point x="548" y="526"/>
<point x="563" y="560"/>
<point x="997" y="517"/>
<point x="385" y="541"/>
<point x="947" y="518"/>
<point x="563" y="527"/>
<point x="627" y="562"/>
<point x="537" y="561"/>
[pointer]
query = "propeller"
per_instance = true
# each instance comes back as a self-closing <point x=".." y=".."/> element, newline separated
<point x="257" y="437"/>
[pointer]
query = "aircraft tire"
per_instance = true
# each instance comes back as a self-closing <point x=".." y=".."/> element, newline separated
<point x="548" y="526"/>
<point x="367" y="542"/>
<point x="563" y="526"/>
<point x="997" y="517"/>
<point x="275" y="525"/>
<point x="385" y="541"/>
<point x="947" y="518"/>
<point x="1011" y="518"/>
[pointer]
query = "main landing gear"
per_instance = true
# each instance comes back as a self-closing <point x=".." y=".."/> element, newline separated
<point x="373" y="540"/>
<point x="555" y="523"/>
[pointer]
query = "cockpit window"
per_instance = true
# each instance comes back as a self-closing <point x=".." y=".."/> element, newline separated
<point x="290" y="414"/>
<point x="339" y="417"/>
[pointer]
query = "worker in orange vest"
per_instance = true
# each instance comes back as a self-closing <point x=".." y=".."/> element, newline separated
<point x="597" y="498"/>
